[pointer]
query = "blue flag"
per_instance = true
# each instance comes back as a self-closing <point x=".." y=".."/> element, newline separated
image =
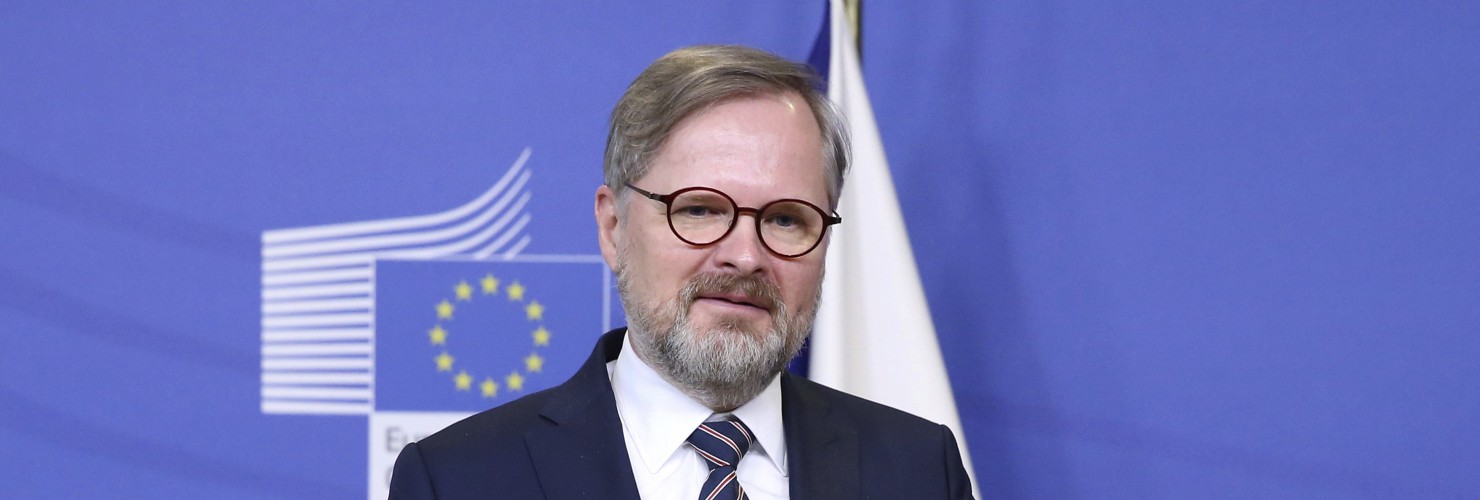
<point x="470" y="335"/>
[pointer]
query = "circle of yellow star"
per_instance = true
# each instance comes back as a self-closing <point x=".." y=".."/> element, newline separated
<point x="488" y="387"/>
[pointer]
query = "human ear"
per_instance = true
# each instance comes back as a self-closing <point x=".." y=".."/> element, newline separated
<point x="608" y="226"/>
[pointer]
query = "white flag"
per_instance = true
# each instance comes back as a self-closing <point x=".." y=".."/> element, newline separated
<point x="874" y="337"/>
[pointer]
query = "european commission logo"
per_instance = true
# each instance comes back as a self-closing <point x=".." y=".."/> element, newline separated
<point x="417" y="322"/>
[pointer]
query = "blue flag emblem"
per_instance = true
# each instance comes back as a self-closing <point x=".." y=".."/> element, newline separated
<point x="470" y="335"/>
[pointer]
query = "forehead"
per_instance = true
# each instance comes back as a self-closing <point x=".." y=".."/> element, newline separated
<point x="765" y="146"/>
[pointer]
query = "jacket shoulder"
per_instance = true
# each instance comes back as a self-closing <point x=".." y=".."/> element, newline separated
<point x="481" y="453"/>
<point x="492" y="429"/>
<point x="900" y="454"/>
<point x="863" y="411"/>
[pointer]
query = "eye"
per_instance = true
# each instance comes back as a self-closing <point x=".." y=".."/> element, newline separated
<point x="695" y="211"/>
<point x="787" y="217"/>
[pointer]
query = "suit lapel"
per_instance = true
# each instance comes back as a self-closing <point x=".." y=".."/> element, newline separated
<point x="821" y="445"/>
<point x="582" y="453"/>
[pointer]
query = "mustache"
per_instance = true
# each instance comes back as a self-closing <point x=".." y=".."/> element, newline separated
<point x="759" y="291"/>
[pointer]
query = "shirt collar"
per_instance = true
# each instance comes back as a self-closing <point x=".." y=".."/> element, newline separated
<point x="660" y="417"/>
<point x="763" y="416"/>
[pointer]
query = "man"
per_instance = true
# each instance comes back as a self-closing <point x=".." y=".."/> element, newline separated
<point x="722" y="167"/>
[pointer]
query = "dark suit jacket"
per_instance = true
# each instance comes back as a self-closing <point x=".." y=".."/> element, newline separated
<point x="566" y="442"/>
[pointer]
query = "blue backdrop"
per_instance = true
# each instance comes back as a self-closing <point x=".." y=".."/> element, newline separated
<point x="1173" y="249"/>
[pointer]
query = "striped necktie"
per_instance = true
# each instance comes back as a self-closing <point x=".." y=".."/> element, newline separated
<point x="722" y="443"/>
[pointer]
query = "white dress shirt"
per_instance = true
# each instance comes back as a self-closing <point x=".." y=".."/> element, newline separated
<point x="657" y="419"/>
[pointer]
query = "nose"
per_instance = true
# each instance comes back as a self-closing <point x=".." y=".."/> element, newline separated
<point x="742" y="250"/>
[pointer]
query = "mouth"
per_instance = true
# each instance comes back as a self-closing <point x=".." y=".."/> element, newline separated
<point x="731" y="298"/>
<point x="737" y="300"/>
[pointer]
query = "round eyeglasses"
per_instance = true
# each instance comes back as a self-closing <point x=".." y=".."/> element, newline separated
<point x="702" y="216"/>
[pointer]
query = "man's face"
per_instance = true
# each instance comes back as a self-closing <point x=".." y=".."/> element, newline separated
<point x="730" y="312"/>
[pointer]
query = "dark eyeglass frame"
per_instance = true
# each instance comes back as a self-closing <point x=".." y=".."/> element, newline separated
<point x="755" y="214"/>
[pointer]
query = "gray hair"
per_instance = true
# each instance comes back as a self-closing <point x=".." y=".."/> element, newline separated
<point x="693" y="78"/>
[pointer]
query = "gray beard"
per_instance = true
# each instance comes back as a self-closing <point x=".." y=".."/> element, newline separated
<point x="728" y="365"/>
